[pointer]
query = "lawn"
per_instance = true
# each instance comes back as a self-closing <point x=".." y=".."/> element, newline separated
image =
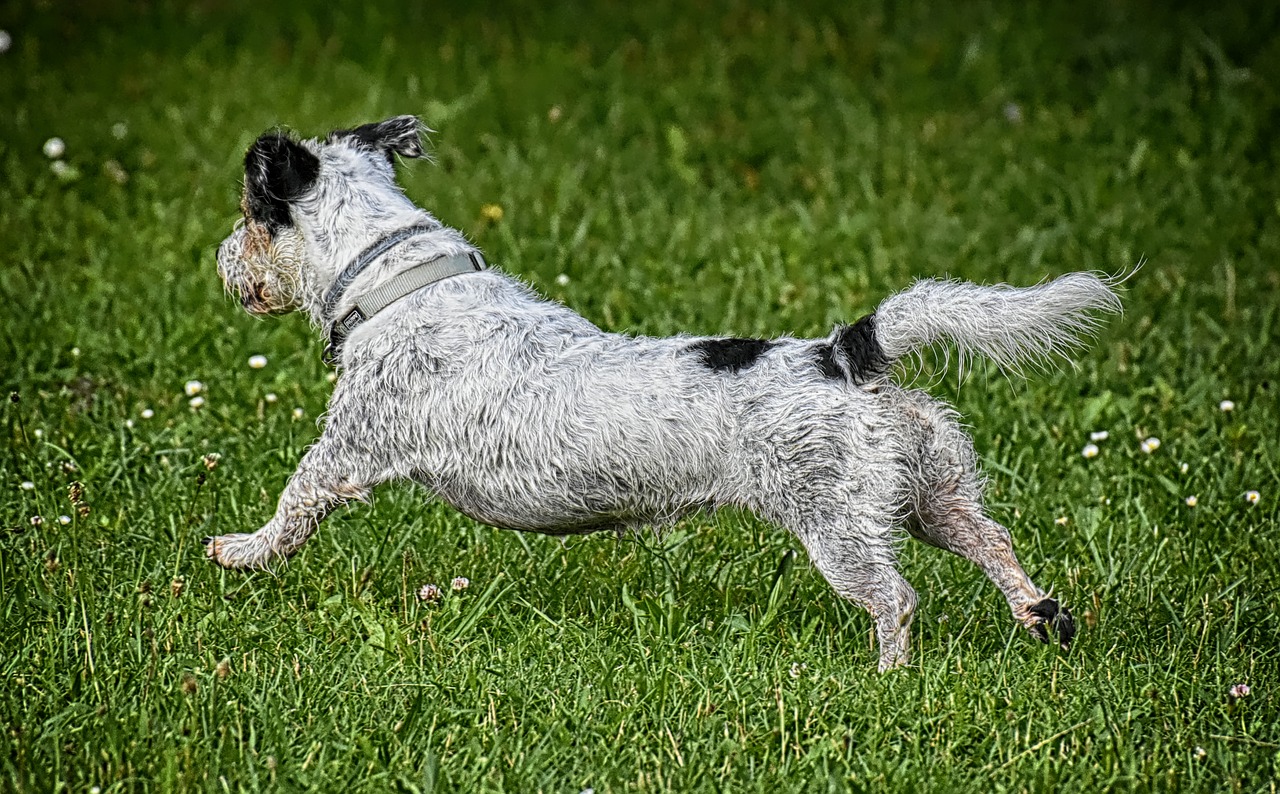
<point x="724" y="169"/>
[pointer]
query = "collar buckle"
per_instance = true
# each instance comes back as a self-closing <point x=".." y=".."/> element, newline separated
<point x="350" y="320"/>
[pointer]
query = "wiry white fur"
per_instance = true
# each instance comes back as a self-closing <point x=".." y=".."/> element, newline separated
<point x="1012" y="326"/>
<point x="522" y="414"/>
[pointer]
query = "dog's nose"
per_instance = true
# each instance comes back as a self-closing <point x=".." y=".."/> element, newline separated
<point x="229" y="249"/>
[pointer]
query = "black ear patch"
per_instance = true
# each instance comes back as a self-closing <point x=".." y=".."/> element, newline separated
<point x="401" y="135"/>
<point x="277" y="172"/>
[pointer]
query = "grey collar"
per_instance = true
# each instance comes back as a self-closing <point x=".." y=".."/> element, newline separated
<point x="366" y="257"/>
<point x="378" y="298"/>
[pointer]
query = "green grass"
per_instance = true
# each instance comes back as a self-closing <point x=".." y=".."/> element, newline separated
<point x="714" y="170"/>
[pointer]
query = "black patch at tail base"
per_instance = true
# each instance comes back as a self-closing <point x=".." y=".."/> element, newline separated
<point x="278" y="171"/>
<point x="827" y="364"/>
<point x="732" y="355"/>
<point x="853" y="353"/>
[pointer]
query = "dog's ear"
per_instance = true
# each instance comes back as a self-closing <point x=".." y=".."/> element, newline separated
<point x="277" y="172"/>
<point x="401" y="135"/>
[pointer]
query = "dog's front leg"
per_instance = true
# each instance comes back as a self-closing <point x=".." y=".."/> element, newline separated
<point x="325" y="479"/>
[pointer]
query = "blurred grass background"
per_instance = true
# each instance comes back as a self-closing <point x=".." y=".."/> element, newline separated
<point x="723" y="168"/>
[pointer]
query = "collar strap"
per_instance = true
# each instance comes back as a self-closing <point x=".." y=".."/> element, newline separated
<point x="366" y="258"/>
<point x="395" y="288"/>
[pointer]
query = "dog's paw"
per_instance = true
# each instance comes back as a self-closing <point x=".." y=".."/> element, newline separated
<point x="1046" y="615"/>
<point x="237" y="551"/>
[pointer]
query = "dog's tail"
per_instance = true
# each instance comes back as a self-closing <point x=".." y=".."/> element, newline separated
<point x="1015" y="327"/>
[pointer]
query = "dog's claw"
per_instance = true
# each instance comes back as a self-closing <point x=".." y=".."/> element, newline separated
<point x="211" y="550"/>
<point x="1047" y="614"/>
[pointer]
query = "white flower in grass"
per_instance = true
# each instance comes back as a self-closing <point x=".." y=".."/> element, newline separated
<point x="64" y="520"/>
<point x="37" y="521"/>
<point x="332" y="377"/>
<point x="1238" y="691"/>
<point x="119" y="130"/>
<point x="1199" y="752"/>
<point x="27" y="485"/>
<point x="6" y="41"/>
<point x="429" y="593"/>
<point x="1226" y="406"/>
<point x="193" y="387"/>
<point x="1150" y="445"/>
<point x="563" y="279"/>
<point x="64" y="170"/>
<point x="1193" y="500"/>
<point x="271" y="398"/>
<point x="460" y="583"/>
<point x="1184" y="468"/>
<point x="196" y="403"/>
<point x="54" y="148"/>
<point x="116" y="171"/>
<point x="797" y="669"/>
<point x="1099" y="435"/>
<point x="257" y="362"/>
<point x="147" y="413"/>
<point x="1060" y="521"/>
<point x="297" y="413"/>
<point x="1252" y="497"/>
<point x="128" y="423"/>
<point x="95" y="790"/>
<point x="1090" y="451"/>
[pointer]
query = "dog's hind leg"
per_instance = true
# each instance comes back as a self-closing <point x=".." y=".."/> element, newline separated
<point x="949" y="515"/>
<point x="856" y="557"/>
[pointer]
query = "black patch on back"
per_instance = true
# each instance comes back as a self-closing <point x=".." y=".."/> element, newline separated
<point x="853" y="353"/>
<point x="278" y="171"/>
<point x="732" y="355"/>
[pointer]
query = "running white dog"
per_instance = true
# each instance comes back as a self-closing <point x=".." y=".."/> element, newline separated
<point x="522" y="414"/>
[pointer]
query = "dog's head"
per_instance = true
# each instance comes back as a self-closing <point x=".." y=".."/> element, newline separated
<point x="308" y="204"/>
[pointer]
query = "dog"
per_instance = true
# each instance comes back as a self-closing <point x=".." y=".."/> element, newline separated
<point x="522" y="414"/>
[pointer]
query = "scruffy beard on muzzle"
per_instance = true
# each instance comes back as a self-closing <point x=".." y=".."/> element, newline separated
<point x="265" y="272"/>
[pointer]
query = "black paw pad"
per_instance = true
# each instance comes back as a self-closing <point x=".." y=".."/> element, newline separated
<point x="1050" y="615"/>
